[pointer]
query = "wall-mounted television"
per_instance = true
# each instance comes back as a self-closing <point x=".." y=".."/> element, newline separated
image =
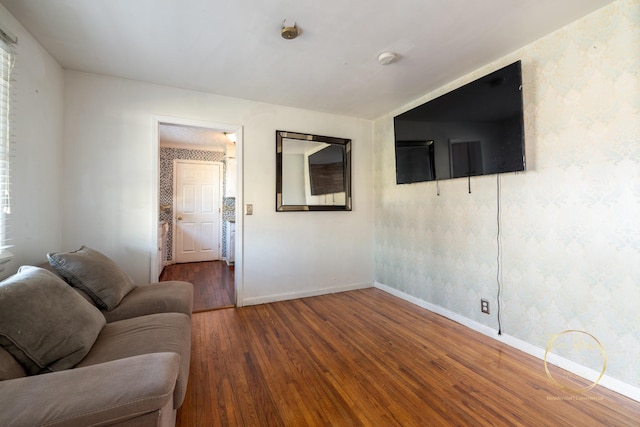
<point x="326" y="170"/>
<point x="477" y="129"/>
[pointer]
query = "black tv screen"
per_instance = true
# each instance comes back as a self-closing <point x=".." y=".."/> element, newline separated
<point x="477" y="129"/>
<point x="326" y="170"/>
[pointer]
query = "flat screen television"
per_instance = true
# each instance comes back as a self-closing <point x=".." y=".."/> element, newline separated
<point x="477" y="129"/>
<point x="326" y="170"/>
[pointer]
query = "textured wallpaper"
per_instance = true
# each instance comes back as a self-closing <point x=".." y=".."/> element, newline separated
<point x="570" y="224"/>
<point x="167" y="156"/>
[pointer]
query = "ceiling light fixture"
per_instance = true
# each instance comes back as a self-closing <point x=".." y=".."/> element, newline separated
<point x="231" y="136"/>
<point x="288" y="31"/>
<point x="386" y="58"/>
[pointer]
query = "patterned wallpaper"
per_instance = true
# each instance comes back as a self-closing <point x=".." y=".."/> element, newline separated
<point x="167" y="156"/>
<point x="570" y="224"/>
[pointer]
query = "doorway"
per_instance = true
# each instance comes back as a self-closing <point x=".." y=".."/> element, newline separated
<point x="194" y="243"/>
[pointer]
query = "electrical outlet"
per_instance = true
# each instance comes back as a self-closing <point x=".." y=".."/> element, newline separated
<point x="249" y="209"/>
<point x="484" y="306"/>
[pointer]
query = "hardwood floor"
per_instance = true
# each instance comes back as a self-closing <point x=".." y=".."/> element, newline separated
<point x="213" y="283"/>
<point x="366" y="358"/>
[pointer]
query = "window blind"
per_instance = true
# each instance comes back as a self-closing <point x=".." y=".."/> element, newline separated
<point x="7" y="61"/>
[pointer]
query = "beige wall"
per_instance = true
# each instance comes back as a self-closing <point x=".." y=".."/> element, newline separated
<point x="37" y="164"/>
<point x="110" y="162"/>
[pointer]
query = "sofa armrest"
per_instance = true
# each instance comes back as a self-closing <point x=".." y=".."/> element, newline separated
<point x="101" y="394"/>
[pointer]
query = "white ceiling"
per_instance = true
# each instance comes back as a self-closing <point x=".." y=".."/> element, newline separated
<point x="194" y="137"/>
<point x="234" y="48"/>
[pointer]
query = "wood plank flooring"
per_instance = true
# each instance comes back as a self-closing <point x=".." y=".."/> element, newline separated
<point x="213" y="283"/>
<point x="366" y="358"/>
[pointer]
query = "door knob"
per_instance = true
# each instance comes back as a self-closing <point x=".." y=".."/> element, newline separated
<point x="179" y="217"/>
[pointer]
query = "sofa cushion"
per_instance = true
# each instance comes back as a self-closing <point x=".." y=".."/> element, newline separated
<point x="44" y="324"/>
<point x="94" y="273"/>
<point x="9" y="366"/>
<point x="163" y="332"/>
<point x="162" y="297"/>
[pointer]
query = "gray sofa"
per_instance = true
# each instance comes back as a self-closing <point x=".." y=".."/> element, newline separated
<point x="102" y="351"/>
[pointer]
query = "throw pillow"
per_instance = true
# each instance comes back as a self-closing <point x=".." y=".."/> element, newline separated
<point x="44" y="324"/>
<point x="95" y="274"/>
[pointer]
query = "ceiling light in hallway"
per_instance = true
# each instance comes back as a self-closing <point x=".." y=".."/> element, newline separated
<point x="386" y="58"/>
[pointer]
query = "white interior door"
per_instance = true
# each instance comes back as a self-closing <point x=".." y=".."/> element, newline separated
<point x="197" y="214"/>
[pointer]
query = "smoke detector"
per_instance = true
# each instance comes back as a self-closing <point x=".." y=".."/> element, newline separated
<point x="386" y="58"/>
<point x="288" y="31"/>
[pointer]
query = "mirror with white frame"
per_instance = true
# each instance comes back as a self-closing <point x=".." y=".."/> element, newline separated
<point x="313" y="172"/>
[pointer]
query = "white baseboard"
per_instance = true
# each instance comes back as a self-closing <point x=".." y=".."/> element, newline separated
<point x="613" y="384"/>
<point x="304" y="294"/>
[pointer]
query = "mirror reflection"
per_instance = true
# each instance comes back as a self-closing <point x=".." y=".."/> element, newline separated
<point x="313" y="172"/>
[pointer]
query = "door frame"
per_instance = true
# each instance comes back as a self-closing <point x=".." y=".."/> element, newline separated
<point x="175" y="201"/>
<point x="156" y="120"/>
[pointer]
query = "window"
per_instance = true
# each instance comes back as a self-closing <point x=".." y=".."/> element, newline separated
<point x="7" y="60"/>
